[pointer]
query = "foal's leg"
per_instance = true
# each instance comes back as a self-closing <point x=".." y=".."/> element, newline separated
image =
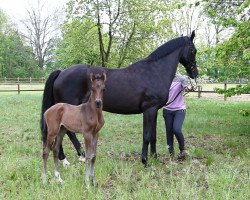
<point x="90" y="143"/>
<point x="57" y="144"/>
<point x="149" y="134"/>
<point x="45" y="155"/>
<point x="45" y="159"/>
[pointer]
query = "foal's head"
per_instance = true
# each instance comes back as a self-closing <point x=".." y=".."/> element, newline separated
<point x="98" y="87"/>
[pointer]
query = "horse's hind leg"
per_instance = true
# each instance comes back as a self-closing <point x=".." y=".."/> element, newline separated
<point x="56" y="148"/>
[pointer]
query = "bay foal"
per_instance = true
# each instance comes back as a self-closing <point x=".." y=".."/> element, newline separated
<point x="86" y="118"/>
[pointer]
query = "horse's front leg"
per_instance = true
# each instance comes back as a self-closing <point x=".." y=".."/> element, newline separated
<point x="149" y="133"/>
<point x="91" y="144"/>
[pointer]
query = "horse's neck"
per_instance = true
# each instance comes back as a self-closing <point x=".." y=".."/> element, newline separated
<point x="168" y="64"/>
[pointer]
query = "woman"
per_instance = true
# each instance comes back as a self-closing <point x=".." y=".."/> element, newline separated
<point x="174" y="114"/>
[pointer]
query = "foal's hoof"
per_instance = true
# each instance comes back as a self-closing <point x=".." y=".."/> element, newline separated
<point x="58" y="178"/>
<point x="82" y="159"/>
<point x="43" y="178"/>
<point x="65" y="162"/>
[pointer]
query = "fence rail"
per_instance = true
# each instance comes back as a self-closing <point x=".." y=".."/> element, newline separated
<point x="18" y="89"/>
<point x="21" y="80"/>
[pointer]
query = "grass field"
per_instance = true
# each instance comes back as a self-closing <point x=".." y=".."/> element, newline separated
<point x="217" y="140"/>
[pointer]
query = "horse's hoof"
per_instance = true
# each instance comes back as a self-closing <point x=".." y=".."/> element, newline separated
<point x="65" y="162"/>
<point x="82" y="159"/>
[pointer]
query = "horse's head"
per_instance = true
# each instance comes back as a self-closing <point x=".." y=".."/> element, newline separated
<point x="188" y="57"/>
<point x="98" y="87"/>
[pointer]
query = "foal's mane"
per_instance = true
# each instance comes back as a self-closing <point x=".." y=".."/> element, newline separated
<point x="166" y="48"/>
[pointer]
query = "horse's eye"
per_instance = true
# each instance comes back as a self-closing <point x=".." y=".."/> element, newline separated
<point x="103" y="89"/>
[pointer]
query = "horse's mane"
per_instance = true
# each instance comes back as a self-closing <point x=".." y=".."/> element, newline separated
<point x="166" y="48"/>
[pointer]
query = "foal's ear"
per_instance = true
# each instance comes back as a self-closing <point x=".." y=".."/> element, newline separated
<point x="92" y="77"/>
<point x="104" y="77"/>
<point x="192" y="35"/>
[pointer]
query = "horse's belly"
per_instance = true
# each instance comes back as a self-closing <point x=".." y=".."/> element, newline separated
<point x="122" y="108"/>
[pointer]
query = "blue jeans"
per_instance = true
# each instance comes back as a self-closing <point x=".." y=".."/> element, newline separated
<point x="174" y="121"/>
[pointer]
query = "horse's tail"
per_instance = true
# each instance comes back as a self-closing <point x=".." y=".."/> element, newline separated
<point x="48" y="101"/>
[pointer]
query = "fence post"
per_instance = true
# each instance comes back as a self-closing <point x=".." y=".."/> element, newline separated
<point x="225" y="88"/>
<point x="18" y="88"/>
<point x="199" y="91"/>
<point x="5" y="80"/>
<point x="18" y="79"/>
<point x="30" y="79"/>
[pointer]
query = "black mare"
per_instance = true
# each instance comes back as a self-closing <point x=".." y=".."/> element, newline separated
<point x="142" y="87"/>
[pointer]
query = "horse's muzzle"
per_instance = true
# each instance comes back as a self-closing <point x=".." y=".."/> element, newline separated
<point x="98" y="103"/>
<point x="193" y="73"/>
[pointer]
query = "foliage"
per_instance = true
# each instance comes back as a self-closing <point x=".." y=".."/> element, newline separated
<point x="16" y="58"/>
<point x="230" y="59"/>
<point x="79" y="44"/>
<point x="113" y="33"/>
<point x="238" y="90"/>
<point x="244" y="113"/>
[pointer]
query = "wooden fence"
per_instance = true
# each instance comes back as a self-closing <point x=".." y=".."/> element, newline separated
<point x="18" y="89"/>
<point x="22" y="80"/>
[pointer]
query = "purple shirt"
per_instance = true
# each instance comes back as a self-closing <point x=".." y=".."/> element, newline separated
<point x="178" y="84"/>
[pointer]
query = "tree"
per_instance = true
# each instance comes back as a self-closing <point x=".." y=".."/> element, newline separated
<point x="232" y="55"/>
<point x="16" y="58"/>
<point x="186" y="17"/>
<point x="40" y="30"/>
<point x="119" y="27"/>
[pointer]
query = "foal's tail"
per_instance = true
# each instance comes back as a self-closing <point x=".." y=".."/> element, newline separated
<point x="48" y="101"/>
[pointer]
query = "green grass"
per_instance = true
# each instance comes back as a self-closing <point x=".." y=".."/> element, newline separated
<point x="217" y="139"/>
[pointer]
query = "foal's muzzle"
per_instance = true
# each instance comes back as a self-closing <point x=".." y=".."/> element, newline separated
<point x="98" y="103"/>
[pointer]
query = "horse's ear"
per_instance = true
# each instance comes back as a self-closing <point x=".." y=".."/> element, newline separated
<point x="192" y="35"/>
<point x="104" y="77"/>
<point x="92" y="77"/>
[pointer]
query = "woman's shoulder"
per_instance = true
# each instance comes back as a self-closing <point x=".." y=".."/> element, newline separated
<point x="179" y="78"/>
